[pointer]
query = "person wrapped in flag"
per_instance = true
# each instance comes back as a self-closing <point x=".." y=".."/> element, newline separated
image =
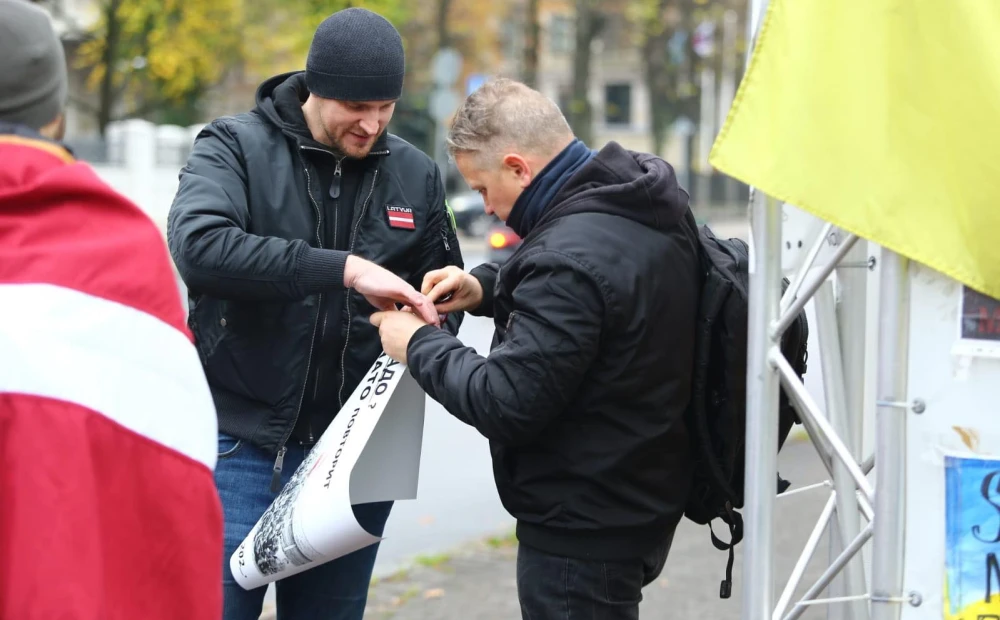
<point x="107" y="426"/>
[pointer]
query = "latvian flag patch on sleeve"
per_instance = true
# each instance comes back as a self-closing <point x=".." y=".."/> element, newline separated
<point x="400" y="217"/>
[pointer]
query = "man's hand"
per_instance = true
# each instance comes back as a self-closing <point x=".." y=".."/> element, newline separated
<point x="396" y="328"/>
<point x="383" y="289"/>
<point x="452" y="290"/>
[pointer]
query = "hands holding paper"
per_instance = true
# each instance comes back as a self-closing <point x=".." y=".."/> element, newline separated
<point x="450" y="290"/>
<point x="383" y="289"/>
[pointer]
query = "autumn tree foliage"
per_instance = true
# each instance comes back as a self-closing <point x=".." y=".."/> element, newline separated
<point x="144" y="56"/>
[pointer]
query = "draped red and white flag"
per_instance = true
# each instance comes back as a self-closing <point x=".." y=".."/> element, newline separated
<point x="108" y="508"/>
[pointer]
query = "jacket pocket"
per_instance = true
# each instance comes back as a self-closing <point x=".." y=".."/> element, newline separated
<point x="258" y="349"/>
<point x="623" y="581"/>
<point x="392" y="243"/>
<point x="206" y="318"/>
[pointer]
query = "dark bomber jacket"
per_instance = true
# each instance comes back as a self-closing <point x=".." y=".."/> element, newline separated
<point x="246" y="232"/>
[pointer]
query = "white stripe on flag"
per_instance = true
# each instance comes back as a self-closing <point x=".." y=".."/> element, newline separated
<point x="408" y="220"/>
<point x="130" y="366"/>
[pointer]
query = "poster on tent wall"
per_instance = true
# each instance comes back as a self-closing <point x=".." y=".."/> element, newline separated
<point x="951" y="559"/>
<point x="972" y="538"/>
<point x="369" y="453"/>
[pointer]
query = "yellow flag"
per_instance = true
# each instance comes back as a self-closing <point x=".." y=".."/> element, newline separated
<point x="883" y="117"/>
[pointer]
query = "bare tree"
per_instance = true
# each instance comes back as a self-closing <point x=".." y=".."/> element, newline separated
<point x="662" y="89"/>
<point x="589" y="22"/>
<point x="669" y="62"/>
<point x="112" y="38"/>
<point x="444" y="36"/>
<point x="532" y="41"/>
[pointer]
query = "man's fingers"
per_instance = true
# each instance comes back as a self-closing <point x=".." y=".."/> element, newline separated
<point x="376" y="318"/>
<point x="425" y="310"/>
<point x="442" y="289"/>
<point x="431" y="278"/>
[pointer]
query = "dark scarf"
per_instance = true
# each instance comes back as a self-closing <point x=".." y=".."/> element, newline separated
<point x="535" y="198"/>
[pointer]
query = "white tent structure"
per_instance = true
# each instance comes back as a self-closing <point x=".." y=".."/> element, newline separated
<point x="904" y="388"/>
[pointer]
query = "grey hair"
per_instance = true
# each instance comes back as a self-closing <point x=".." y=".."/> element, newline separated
<point x="506" y="114"/>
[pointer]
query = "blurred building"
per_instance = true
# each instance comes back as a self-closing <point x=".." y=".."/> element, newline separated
<point x="618" y="90"/>
<point x="618" y="93"/>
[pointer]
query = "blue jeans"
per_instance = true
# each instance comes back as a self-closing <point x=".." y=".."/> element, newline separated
<point x="336" y="590"/>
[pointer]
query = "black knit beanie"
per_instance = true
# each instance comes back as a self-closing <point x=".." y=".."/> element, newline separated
<point x="356" y="55"/>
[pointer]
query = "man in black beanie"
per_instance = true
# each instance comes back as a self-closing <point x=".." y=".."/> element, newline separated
<point x="274" y="212"/>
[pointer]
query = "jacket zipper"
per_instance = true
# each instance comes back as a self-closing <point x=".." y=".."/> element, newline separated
<point x="335" y="194"/>
<point x="279" y="462"/>
<point x="335" y="188"/>
<point x="337" y="175"/>
<point x="347" y="338"/>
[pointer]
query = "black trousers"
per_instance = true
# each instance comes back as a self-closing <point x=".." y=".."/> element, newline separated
<point x="551" y="587"/>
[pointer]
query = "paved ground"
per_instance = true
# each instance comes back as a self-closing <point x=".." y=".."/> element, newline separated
<point x="476" y="582"/>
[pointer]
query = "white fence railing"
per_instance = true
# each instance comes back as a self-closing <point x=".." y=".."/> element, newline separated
<point x="142" y="160"/>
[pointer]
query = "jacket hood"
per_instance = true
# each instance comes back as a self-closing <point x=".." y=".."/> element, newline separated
<point x="637" y="186"/>
<point x="279" y="100"/>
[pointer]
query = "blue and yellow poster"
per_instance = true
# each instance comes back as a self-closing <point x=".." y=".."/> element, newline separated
<point x="972" y="555"/>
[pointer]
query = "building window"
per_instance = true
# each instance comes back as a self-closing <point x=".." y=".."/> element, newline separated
<point x="561" y="34"/>
<point x="618" y="104"/>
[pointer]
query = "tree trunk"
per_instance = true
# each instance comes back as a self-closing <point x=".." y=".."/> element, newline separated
<point x="108" y="59"/>
<point x="658" y="79"/>
<point x="444" y="37"/>
<point x="588" y="25"/>
<point x="532" y="40"/>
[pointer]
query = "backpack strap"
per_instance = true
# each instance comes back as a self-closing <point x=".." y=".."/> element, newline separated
<point x="735" y="522"/>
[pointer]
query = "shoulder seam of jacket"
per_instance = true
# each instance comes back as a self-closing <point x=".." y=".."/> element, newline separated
<point x="228" y="120"/>
<point x="598" y="278"/>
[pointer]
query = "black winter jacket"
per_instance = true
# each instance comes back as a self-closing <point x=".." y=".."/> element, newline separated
<point x="247" y="236"/>
<point x="583" y="394"/>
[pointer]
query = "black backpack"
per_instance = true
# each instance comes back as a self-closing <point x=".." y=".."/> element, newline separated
<point x="716" y="416"/>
